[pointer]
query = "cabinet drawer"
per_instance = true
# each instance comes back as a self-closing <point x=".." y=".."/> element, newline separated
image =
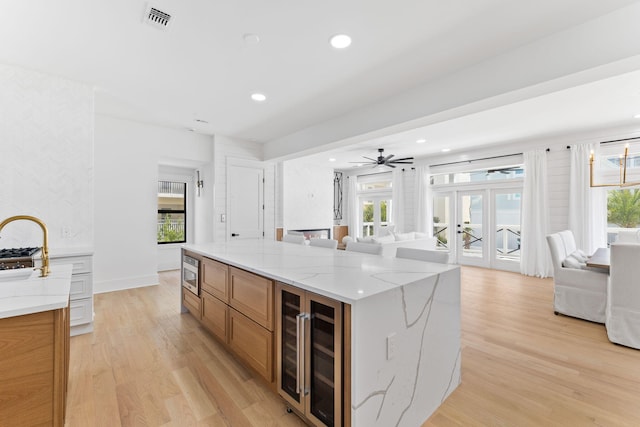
<point x="81" y="311"/>
<point x="252" y="342"/>
<point x="81" y="264"/>
<point x="214" y="278"/>
<point x="192" y="303"/>
<point x="252" y="296"/>
<point x="81" y="286"/>
<point x="215" y="315"/>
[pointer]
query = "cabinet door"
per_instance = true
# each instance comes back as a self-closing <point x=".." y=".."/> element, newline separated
<point x="323" y="359"/>
<point x="192" y="303"/>
<point x="289" y="366"/>
<point x="252" y="342"/>
<point x="251" y="295"/>
<point x="214" y="279"/>
<point x="215" y="316"/>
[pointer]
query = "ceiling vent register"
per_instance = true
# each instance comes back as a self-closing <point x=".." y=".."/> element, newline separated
<point x="157" y="18"/>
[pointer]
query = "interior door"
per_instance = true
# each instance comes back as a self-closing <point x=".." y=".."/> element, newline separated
<point x="245" y="198"/>
<point x="471" y="228"/>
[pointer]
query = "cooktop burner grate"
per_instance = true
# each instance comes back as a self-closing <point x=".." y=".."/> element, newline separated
<point x="17" y="252"/>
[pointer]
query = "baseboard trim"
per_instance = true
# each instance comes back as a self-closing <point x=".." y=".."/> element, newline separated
<point x="124" y="283"/>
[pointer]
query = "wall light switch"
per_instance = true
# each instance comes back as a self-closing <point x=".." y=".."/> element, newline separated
<point x="391" y="346"/>
<point x="223" y="218"/>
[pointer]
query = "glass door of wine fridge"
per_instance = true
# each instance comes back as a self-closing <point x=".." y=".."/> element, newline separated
<point x="309" y="354"/>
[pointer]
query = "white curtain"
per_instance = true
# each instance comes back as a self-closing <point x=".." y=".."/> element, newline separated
<point x="587" y="206"/>
<point x="352" y="205"/>
<point x="424" y="201"/>
<point x="534" y="258"/>
<point x="397" y="195"/>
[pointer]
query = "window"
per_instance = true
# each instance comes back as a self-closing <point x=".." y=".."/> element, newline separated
<point x="375" y="204"/>
<point x="172" y="212"/>
<point x="623" y="211"/>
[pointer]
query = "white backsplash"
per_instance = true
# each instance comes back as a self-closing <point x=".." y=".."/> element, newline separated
<point x="46" y="158"/>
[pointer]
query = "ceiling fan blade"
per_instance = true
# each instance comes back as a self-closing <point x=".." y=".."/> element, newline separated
<point x="400" y="163"/>
<point x="403" y="159"/>
<point x="369" y="158"/>
<point x="386" y="159"/>
<point x="390" y="165"/>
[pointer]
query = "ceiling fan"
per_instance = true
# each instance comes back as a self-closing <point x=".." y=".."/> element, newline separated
<point x="386" y="160"/>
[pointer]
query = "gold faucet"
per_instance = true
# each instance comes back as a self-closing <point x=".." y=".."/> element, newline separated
<point x="45" y="241"/>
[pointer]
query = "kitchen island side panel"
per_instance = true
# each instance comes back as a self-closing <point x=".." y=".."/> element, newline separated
<point x="422" y="321"/>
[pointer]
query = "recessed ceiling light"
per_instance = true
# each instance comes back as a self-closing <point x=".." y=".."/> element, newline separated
<point x="251" y="39"/>
<point x="637" y="116"/>
<point x="332" y="159"/>
<point x="446" y="150"/>
<point x="259" y="97"/>
<point x="421" y="141"/>
<point x="340" y="41"/>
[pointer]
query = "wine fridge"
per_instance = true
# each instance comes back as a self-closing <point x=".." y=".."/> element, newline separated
<point x="309" y="354"/>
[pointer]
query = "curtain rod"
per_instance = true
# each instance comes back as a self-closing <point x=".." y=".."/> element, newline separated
<point x="477" y="160"/>
<point x="619" y="140"/>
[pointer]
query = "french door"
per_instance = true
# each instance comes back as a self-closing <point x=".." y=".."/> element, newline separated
<point x="479" y="227"/>
<point x="375" y="213"/>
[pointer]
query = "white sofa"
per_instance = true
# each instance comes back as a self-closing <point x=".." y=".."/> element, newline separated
<point x="577" y="292"/>
<point x="393" y="241"/>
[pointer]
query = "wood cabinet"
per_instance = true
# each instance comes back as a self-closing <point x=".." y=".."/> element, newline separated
<point x="215" y="316"/>
<point x="236" y="306"/>
<point x="192" y="303"/>
<point x="215" y="279"/>
<point x="252" y="342"/>
<point x="34" y="368"/>
<point x="252" y="295"/>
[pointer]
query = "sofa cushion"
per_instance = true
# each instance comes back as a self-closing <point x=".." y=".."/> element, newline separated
<point x="387" y="230"/>
<point x="367" y="239"/>
<point x="405" y="236"/>
<point x="419" y="235"/>
<point x="384" y="239"/>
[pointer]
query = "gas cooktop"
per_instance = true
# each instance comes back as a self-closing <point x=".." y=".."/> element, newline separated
<point x="18" y="252"/>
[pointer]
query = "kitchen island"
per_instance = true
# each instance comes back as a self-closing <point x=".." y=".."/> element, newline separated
<point x="402" y="320"/>
<point x="34" y="338"/>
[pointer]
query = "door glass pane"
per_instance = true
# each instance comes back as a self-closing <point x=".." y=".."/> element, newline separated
<point x="367" y="218"/>
<point x="385" y="212"/>
<point x="322" y="362"/>
<point x="508" y="226"/>
<point x="471" y="228"/>
<point x="441" y="226"/>
<point x="289" y="363"/>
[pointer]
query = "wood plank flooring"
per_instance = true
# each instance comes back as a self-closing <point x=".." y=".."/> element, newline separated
<point x="147" y="365"/>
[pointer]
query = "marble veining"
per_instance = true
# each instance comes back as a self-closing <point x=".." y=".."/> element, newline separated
<point x="414" y="303"/>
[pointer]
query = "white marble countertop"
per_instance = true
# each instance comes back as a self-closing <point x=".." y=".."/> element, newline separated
<point x="34" y="294"/>
<point x="341" y="275"/>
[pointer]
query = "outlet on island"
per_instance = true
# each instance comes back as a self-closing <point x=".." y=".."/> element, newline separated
<point x="391" y="346"/>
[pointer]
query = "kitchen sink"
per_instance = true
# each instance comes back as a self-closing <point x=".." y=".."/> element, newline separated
<point x="17" y="274"/>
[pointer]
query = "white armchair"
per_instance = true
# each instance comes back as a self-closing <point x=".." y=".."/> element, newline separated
<point x="577" y="292"/>
<point x="623" y="295"/>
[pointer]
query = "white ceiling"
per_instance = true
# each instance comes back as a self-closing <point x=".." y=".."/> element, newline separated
<point x="201" y="68"/>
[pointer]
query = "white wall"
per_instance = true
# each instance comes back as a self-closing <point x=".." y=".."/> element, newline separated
<point x="307" y="196"/>
<point x="46" y="158"/>
<point x="127" y="156"/>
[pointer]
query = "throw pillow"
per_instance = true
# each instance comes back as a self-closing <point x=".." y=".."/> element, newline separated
<point x="578" y="257"/>
<point x="571" y="262"/>
<point x="387" y="230"/>
<point x="419" y="235"/>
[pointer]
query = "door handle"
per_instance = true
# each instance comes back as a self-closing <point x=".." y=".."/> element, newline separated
<point x="300" y="346"/>
<point x="459" y="232"/>
<point x="235" y="235"/>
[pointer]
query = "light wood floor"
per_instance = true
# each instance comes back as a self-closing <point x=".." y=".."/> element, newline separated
<point x="146" y="364"/>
